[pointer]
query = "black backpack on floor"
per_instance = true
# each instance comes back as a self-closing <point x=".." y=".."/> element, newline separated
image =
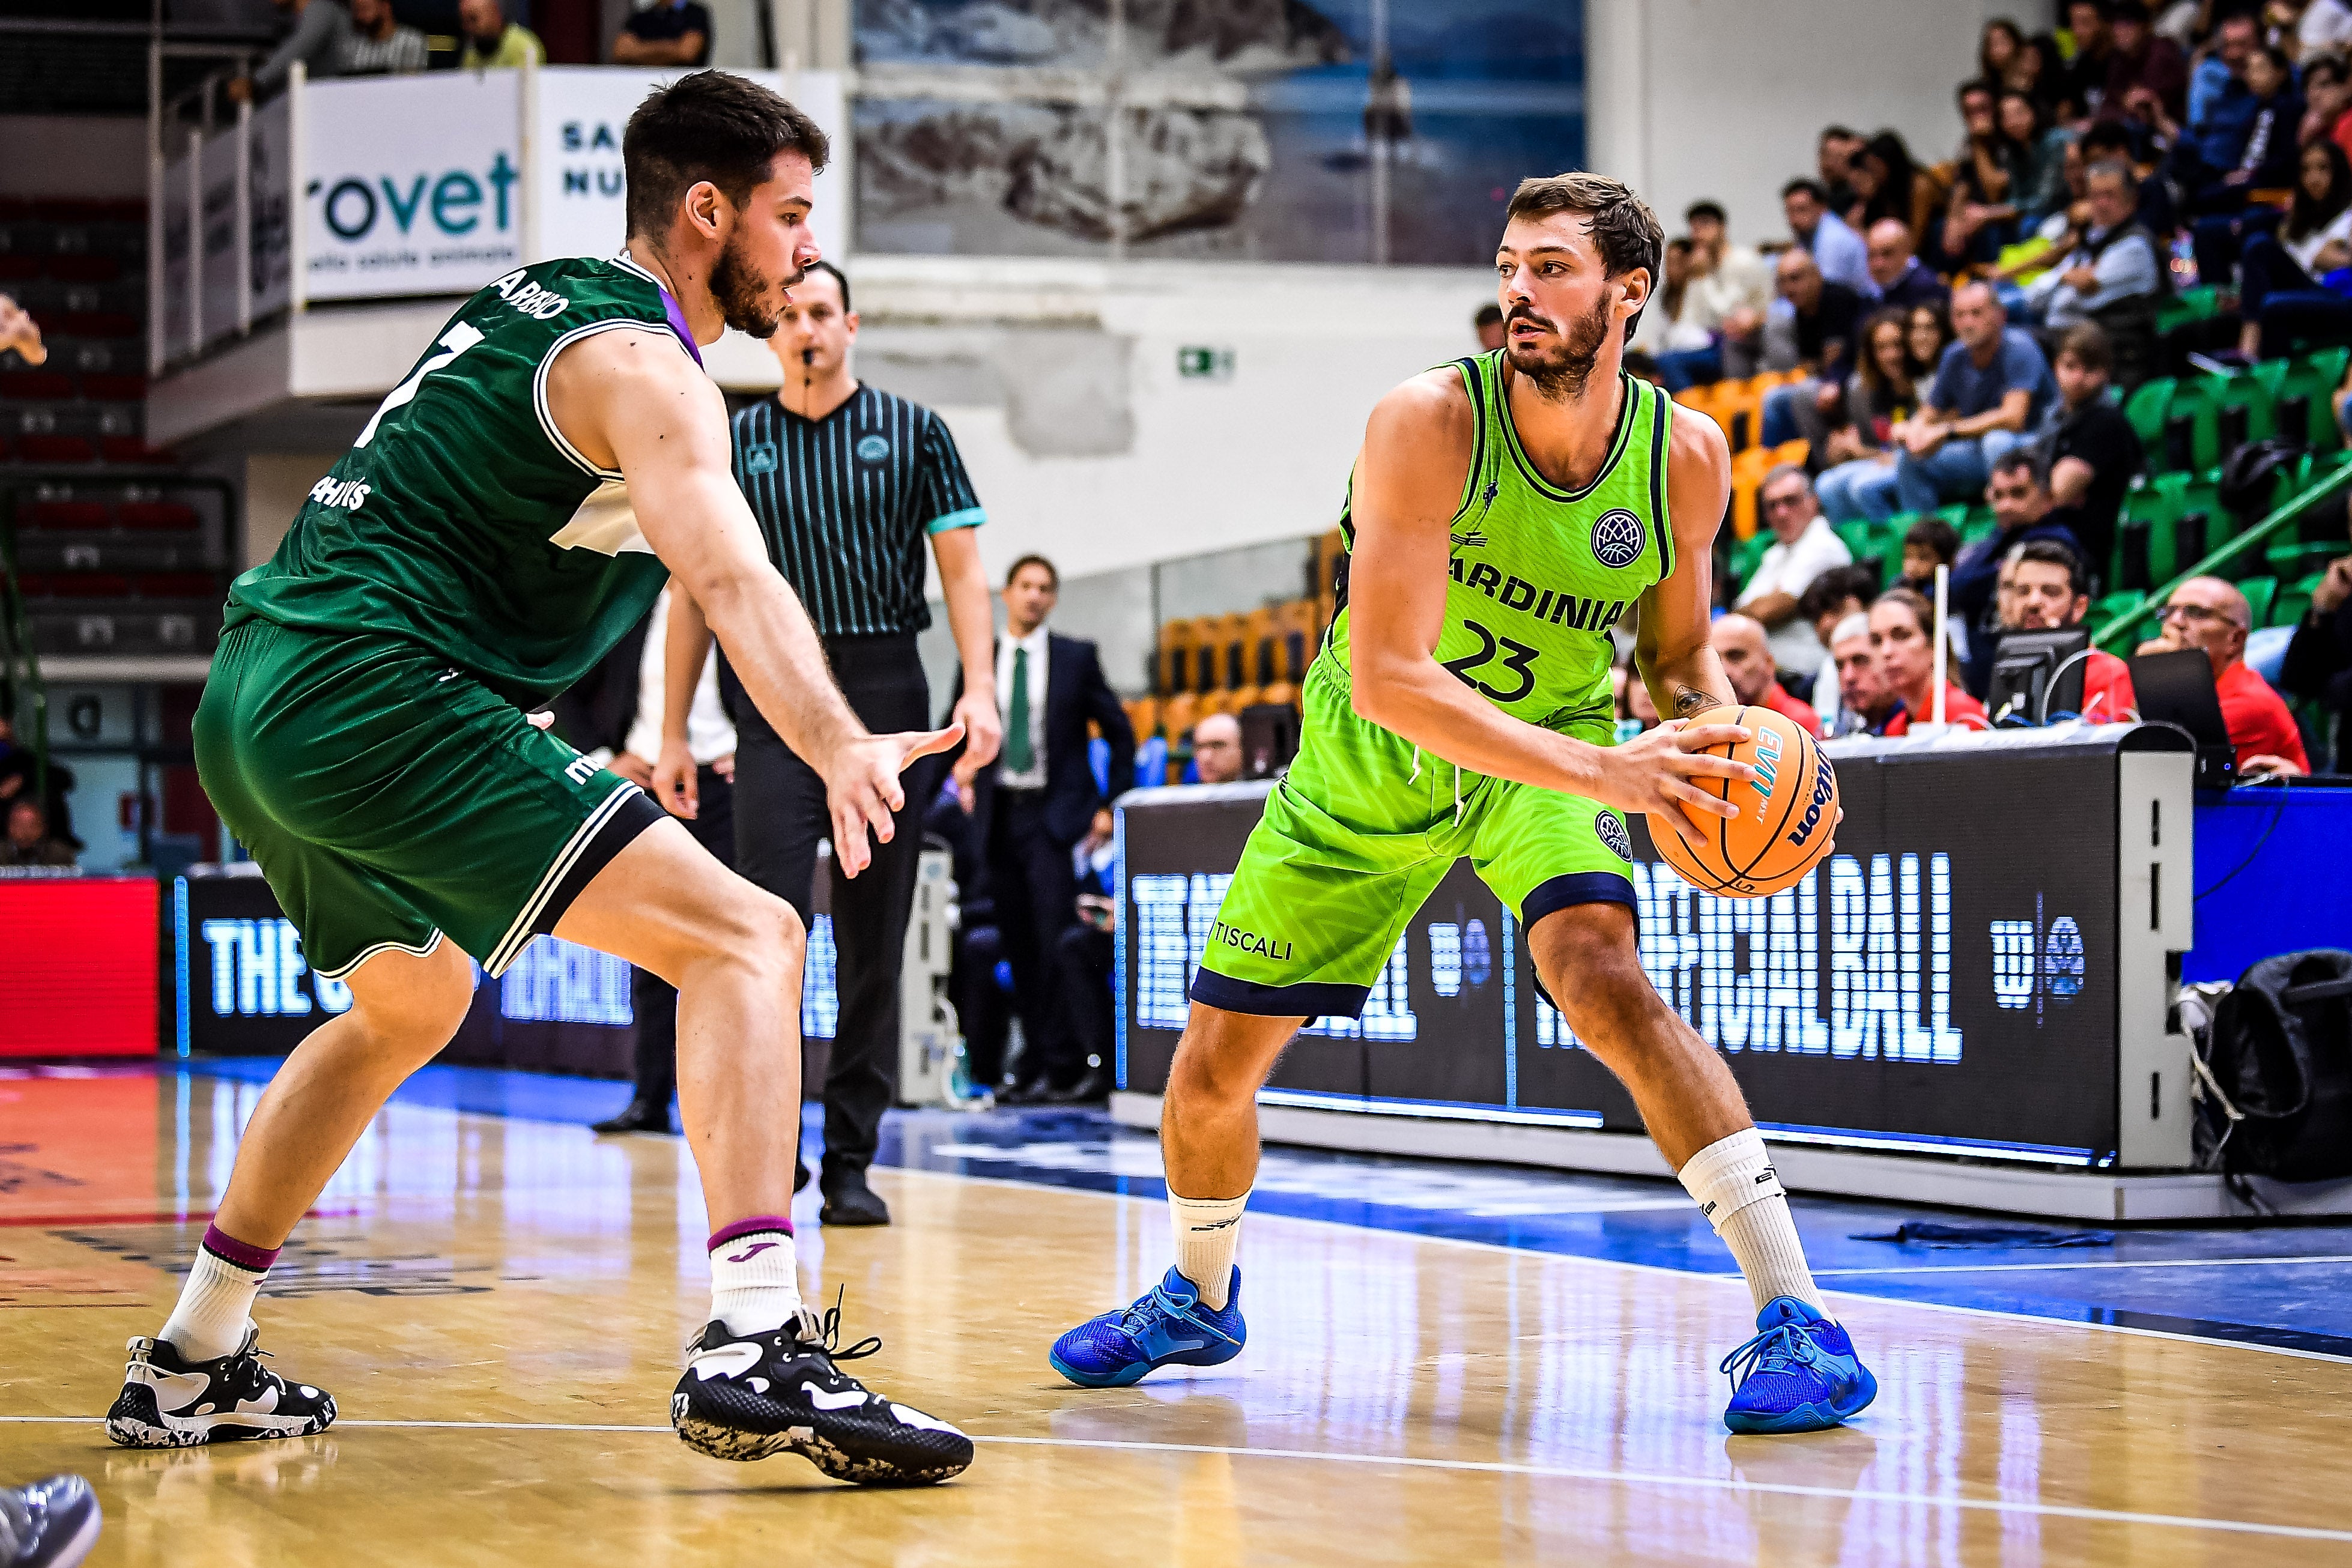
<point x="2280" y="1053"/>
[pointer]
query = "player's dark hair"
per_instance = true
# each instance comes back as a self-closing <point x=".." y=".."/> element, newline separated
<point x="839" y="277"/>
<point x="1036" y="561"/>
<point x="707" y="126"/>
<point x="1624" y="230"/>
<point x="1935" y="534"/>
<point x="2051" y="553"/>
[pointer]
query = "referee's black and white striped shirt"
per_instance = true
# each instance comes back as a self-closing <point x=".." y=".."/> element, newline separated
<point x="848" y="501"/>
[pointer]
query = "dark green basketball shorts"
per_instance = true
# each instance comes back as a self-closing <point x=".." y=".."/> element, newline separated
<point x="390" y="799"/>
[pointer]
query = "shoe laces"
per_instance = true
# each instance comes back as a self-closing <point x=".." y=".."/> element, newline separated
<point x="1138" y="1317"/>
<point x="823" y="1335"/>
<point x="1783" y="1347"/>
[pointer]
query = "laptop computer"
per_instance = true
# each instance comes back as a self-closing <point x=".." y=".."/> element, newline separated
<point x="2177" y="688"/>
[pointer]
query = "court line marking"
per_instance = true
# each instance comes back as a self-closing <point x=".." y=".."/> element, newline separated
<point x="1659" y="1268"/>
<point x="2088" y="1263"/>
<point x="1475" y="1467"/>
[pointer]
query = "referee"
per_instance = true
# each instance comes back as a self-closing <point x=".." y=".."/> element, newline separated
<point x="847" y="484"/>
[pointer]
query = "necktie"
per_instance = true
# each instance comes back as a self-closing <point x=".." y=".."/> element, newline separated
<point x="1019" y="755"/>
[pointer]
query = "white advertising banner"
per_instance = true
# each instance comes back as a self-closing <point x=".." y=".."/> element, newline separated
<point x="411" y="184"/>
<point x="179" y="254"/>
<point x="576" y="178"/>
<point x="217" y="235"/>
<point x="273" y="208"/>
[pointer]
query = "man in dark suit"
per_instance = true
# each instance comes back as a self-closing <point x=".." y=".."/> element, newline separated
<point x="1031" y="807"/>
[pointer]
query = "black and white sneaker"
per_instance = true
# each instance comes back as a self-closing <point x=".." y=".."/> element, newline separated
<point x="749" y="1397"/>
<point x="170" y="1403"/>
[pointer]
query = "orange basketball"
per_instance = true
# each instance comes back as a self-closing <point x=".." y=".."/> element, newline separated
<point x="1787" y="811"/>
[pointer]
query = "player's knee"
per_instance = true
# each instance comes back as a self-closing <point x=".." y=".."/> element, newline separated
<point x="759" y="930"/>
<point x="415" y="1004"/>
<point x="1592" y="971"/>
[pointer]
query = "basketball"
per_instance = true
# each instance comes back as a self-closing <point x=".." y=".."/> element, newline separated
<point x="1787" y="811"/>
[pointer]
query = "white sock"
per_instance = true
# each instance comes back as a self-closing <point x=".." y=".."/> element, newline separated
<point x="755" y="1277"/>
<point x="215" y="1307"/>
<point x="1208" y="1234"/>
<point x="1741" y="1194"/>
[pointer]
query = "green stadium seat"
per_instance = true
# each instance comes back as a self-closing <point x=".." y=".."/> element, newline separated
<point x="2107" y="611"/>
<point x="2145" y="410"/>
<point x="1980" y="524"/>
<point x="1861" y="537"/>
<point x="2292" y="602"/>
<point x="2299" y="559"/>
<point x="2259" y="592"/>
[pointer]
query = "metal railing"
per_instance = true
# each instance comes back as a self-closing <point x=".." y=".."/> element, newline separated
<point x="2332" y="486"/>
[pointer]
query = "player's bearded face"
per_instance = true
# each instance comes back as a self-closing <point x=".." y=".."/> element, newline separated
<point x="1561" y="364"/>
<point x="748" y="300"/>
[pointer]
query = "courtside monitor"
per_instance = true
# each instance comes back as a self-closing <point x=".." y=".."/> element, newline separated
<point x="2023" y="690"/>
<point x="2177" y="689"/>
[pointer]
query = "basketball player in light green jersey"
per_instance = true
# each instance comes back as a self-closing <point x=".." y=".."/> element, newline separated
<point x="1505" y="513"/>
<point x="512" y="509"/>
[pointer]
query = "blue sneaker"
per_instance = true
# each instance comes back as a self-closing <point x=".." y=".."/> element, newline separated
<point x="1800" y="1374"/>
<point x="1168" y="1326"/>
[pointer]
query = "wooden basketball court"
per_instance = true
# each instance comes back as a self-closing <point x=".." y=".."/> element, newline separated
<point x="498" y="1305"/>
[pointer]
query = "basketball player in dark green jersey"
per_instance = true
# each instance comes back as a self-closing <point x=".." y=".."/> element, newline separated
<point x="1507" y="512"/>
<point x="512" y="508"/>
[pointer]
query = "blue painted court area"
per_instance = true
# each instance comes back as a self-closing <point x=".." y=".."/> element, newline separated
<point x="2288" y="1286"/>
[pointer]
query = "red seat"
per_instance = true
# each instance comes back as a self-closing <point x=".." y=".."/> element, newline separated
<point x="85" y="268"/>
<point x="178" y="585"/>
<point x="157" y="515"/>
<point x="131" y="449"/>
<point x="39" y="386"/>
<point x="13" y="266"/>
<point x="57" y="449"/>
<point x="109" y="388"/>
<point x="65" y="514"/>
<point x="90" y="585"/>
<point x="33" y="584"/>
<point x="95" y="324"/>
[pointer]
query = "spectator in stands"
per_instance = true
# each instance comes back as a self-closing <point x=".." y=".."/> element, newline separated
<point x="1217" y="749"/>
<point x="2089" y="449"/>
<point x="1886" y="178"/>
<point x="493" y="43"/>
<point x="1748" y="664"/>
<point x="1683" y="351"/>
<point x="1813" y="329"/>
<point x="2143" y="69"/>
<point x="320" y="37"/>
<point x="1865" y="700"/>
<point x="1732" y="289"/>
<point x="1838" y="593"/>
<point x="2019" y="494"/>
<point x="2114" y="276"/>
<point x="1988" y="181"/>
<point x="1488" y="324"/>
<point x="1803" y="547"/>
<point x="2094" y="58"/>
<point x="2040" y="74"/>
<point x="2327" y="103"/>
<point x="17" y="763"/>
<point x="665" y="33"/>
<point x="379" y="45"/>
<point x="1883" y="390"/>
<point x="1084" y="970"/>
<point x="1928" y="334"/>
<point x="1634" y="703"/>
<point x="1902" y="281"/>
<point x="2246" y="141"/>
<point x="2105" y="142"/>
<point x="29" y="842"/>
<point x="2208" y="613"/>
<point x="2319" y="659"/>
<point x="2043" y="590"/>
<point x="1821" y="234"/>
<point x="2285" y="268"/>
<point x="2323" y="24"/>
<point x="1991" y="387"/>
<point x="1997" y="50"/>
<point x="1902" y="645"/>
<point x="1927" y="544"/>
<point x="1834" y="162"/>
<point x="2044" y="190"/>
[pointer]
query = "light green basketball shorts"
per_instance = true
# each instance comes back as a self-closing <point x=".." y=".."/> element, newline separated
<point x="1359" y="834"/>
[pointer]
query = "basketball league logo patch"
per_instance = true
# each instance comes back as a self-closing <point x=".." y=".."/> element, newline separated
<point x="1612" y="833"/>
<point x="872" y="448"/>
<point x="1618" y="537"/>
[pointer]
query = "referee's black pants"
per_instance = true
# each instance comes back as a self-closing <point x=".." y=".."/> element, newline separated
<point x="654" y="1001"/>
<point x="781" y="815"/>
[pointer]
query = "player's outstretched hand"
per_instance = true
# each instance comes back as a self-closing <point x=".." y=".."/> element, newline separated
<point x="1655" y="774"/>
<point x="19" y="331"/>
<point x="862" y="786"/>
<point x="675" y="782"/>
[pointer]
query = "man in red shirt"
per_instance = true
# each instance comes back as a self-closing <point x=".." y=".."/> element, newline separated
<point x="1903" y="644"/>
<point x="2043" y="591"/>
<point x="1747" y="663"/>
<point x="2208" y="613"/>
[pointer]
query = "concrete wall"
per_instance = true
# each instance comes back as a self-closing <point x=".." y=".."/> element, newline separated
<point x="1725" y="99"/>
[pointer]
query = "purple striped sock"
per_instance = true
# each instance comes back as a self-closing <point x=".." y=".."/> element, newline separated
<point x="229" y="1249"/>
<point x="726" y="1233"/>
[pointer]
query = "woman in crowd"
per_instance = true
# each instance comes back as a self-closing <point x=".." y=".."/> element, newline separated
<point x="1928" y="335"/>
<point x="1990" y="177"/>
<point x="1902" y="641"/>
<point x="1888" y="183"/>
<point x="2281" y="294"/>
<point x="2003" y="41"/>
<point x="2043" y="190"/>
<point x="1882" y="389"/>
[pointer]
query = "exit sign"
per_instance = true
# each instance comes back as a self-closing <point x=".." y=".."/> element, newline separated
<point x="1195" y="363"/>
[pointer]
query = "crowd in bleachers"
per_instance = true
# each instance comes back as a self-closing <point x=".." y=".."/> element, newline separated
<point x="2102" y="338"/>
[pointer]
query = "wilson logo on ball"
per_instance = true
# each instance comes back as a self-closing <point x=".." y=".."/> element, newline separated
<point x="1824" y="787"/>
<point x="1618" y="537"/>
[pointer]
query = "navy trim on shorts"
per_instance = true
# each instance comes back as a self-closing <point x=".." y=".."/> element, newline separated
<point x="1580" y="887"/>
<point x="1313" y="998"/>
<point x="632" y="816"/>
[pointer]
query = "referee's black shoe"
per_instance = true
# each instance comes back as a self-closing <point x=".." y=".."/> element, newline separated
<point x="849" y="1201"/>
<point x="641" y="1116"/>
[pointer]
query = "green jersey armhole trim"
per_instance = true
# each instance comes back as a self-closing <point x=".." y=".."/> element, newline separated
<point x="1473" y="382"/>
<point x="547" y="362"/>
<point x="1628" y="405"/>
<point x="1661" y="421"/>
